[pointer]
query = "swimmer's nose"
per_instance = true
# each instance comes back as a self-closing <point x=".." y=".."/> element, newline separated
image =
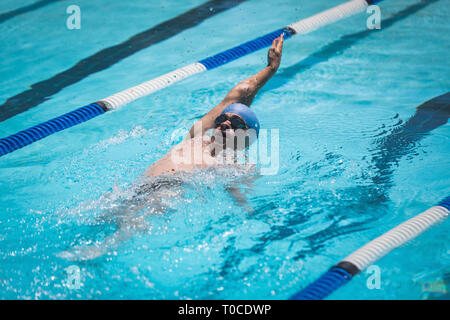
<point x="225" y="125"/>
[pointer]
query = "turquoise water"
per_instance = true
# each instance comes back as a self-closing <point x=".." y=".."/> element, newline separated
<point x="338" y="100"/>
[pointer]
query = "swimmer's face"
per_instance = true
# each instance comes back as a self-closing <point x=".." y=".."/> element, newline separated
<point x="228" y="129"/>
<point x="228" y="121"/>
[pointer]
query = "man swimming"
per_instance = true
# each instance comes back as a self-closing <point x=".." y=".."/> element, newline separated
<point x="230" y="119"/>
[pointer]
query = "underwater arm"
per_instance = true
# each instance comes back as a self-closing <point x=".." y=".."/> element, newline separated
<point x="239" y="190"/>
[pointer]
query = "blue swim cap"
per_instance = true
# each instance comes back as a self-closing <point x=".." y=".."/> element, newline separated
<point x="246" y="113"/>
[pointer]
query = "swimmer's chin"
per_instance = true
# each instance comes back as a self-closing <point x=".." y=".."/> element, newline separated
<point x="217" y="145"/>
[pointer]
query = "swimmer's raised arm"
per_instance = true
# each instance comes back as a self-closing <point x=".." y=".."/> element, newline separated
<point x="248" y="88"/>
<point x="245" y="91"/>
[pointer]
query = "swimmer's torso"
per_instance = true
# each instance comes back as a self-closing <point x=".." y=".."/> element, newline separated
<point x="189" y="154"/>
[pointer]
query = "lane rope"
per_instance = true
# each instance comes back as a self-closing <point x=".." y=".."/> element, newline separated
<point x="40" y="131"/>
<point x="359" y="260"/>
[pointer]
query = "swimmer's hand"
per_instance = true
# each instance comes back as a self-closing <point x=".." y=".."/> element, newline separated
<point x="275" y="52"/>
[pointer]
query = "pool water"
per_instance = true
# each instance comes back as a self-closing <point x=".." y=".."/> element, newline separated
<point x="346" y="175"/>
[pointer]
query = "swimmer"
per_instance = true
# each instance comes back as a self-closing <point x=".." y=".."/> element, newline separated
<point x="231" y="119"/>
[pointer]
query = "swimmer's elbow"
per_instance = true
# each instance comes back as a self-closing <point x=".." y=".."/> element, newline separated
<point x="243" y="92"/>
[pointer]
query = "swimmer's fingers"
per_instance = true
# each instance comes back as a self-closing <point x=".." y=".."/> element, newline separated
<point x="274" y="54"/>
<point x="277" y="44"/>
<point x="280" y="42"/>
<point x="274" y="43"/>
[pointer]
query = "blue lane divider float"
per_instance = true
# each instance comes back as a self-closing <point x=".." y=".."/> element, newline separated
<point x="30" y="135"/>
<point x="445" y="203"/>
<point x="359" y="260"/>
<point x="304" y="26"/>
<point x="244" y="49"/>
<point x="329" y="282"/>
